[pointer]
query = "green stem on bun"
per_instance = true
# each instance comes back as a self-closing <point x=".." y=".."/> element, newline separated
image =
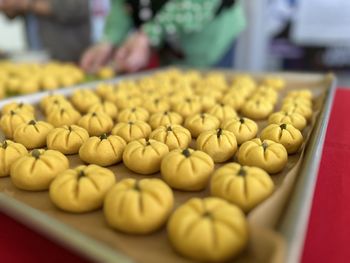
<point x="104" y="136"/>
<point x="264" y="145"/>
<point x="186" y="152"/>
<point x="242" y="172"/>
<point x="81" y="174"/>
<point x="283" y="126"/>
<point x="137" y="186"/>
<point x="219" y="133"/>
<point x="4" y="145"/>
<point x="36" y="153"/>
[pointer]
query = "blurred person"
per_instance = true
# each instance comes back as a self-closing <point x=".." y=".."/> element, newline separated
<point x="62" y="27"/>
<point x="188" y="32"/>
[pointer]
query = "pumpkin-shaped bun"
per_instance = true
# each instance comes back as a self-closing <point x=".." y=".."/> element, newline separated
<point x="303" y="93"/>
<point x="104" y="150"/>
<point x="164" y="118"/>
<point x="66" y="139"/>
<point x="223" y="112"/>
<point x="147" y="84"/>
<point x="267" y="154"/>
<point x="174" y="136"/>
<point x="36" y="170"/>
<point x="132" y="130"/>
<point x="242" y="88"/>
<point x="83" y="99"/>
<point x="202" y="122"/>
<point x="187" y="107"/>
<point x="9" y="153"/>
<point x="10" y="121"/>
<point x="257" y="109"/>
<point x="49" y="83"/>
<point x="96" y="123"/>
<point x="106" y="73"/>
<point x="50" y="99"/>
<point x="57" y="105"/>
<point x="67" y="81"/>
<point x="104" y="90"/>
<point x="192" y="76"/>
<point x="32" y="134"/>
<point x="208" y="230"/>
<point x="81" y="189"/>
<point x="144" y="156"/>
<point x="18" y="107"/>
<point x="220" y="144"/>
<point x="245" y="86"/>
<point x="274" y="82"/>
<point x="233" y="99"/>
<point x="295" y="107"/>
<point x="106" y="107"/>
<point x="64" y="116"/>
<point x="13" y="85"/>
<point x="266" y="94"/>
<point x="243" y="128"/>
<point x="244" y="186"/>
<point x="174" y="96"/>
<point x="295" y="119"/>
<point x="285" y="134"/>
<point x="157" y="105"/>
<point x="133" y="114"/>
<point x="216" y="79"/>
<point x="207" y="102"/>
<point x="128" y="101"/>
<point x="298" y="100"/>
<point x="207" y="90"/>
<point x="187" y="169"/>
<point x="138" y="207"/>
<point x="29" y="85"/>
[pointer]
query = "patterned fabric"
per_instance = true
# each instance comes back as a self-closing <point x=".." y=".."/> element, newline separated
<point x="180" y="16"/>
<point x="197" y="28"/>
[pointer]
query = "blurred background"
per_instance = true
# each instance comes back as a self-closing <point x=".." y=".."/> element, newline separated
<point x="297" y="35"/>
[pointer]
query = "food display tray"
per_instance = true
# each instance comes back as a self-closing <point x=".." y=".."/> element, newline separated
<point x="277" y="226"/>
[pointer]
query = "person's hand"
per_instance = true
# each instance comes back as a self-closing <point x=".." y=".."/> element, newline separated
<point x="134" y="54"/>
<point x="96" y="57"/>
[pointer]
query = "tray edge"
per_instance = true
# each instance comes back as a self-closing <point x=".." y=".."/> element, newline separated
<point x="299" y="207"/>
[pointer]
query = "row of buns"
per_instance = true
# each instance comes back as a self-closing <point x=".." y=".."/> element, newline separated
<point x="181" y="134"/>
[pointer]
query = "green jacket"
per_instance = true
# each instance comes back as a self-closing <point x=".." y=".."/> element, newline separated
<point x="201" y="36"/>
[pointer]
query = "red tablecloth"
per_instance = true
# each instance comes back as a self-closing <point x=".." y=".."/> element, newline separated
<point x="20" y="244"/>
<point x="328" y="235"/>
